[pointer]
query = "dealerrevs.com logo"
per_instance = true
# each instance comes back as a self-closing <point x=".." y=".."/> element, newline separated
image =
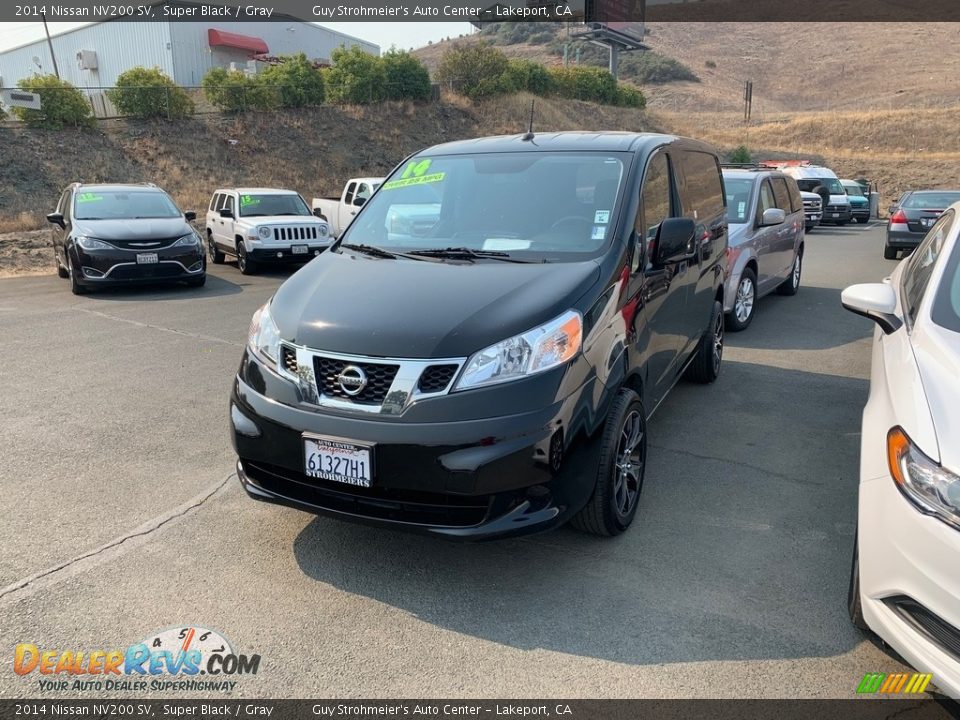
<point x="186" y="658"/>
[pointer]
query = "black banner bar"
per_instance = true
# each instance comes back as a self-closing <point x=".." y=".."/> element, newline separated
<point x="160" y="709"/>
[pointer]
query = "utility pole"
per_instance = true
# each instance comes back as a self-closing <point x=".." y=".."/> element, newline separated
<point x="747" y="100"/>
<point x="56" y="70"/>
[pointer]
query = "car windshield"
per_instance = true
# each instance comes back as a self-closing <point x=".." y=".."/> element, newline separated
<point x="854" y="190"/>
<point x="931" y="200"/>
<point x="95" y="204"/>
<point x="254" y="205"/>
<point x="532" y="205"/>
<point x="738" y="199"/>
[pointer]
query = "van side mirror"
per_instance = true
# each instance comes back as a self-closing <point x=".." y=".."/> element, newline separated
<point x="877" y="301"/>
<point x="226" y="213"/>
<point x="56" y="218"/>
<point x="772" y="216"/>
<point x="189" y="216"/>
<point x="359" y="201"/>
<point x="674" y="239"/>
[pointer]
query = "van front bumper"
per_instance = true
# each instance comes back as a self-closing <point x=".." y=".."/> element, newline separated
<point x="470" y="480"/>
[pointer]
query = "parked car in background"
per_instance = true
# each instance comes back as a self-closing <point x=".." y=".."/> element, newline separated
<point x="812" y="209"/>
<point x="859" y="202"/>
<point x="496" y="377"/>
<point x="262" y="226"/>
<point x="912" y="216"/>
<point x="340" y="211"/>
<point x="824" y="182"/>
<point x="766" y="217"/>
<point x="124" y="234"/>
<point x="904" y="584"/>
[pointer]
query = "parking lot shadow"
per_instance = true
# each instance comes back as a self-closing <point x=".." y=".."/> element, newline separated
<point x="813" y="319"/>
<point x="215" y="286"/>
<point x="741" y="549"/>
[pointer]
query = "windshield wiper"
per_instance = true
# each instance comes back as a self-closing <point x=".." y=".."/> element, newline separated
<point x="465" y="253"/>
<point x="370" y="250"/>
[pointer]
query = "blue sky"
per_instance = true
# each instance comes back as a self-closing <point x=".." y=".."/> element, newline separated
<point x="404" y="35"/>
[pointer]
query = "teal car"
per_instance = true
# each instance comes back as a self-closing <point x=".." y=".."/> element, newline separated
<point x="859" y="202"/>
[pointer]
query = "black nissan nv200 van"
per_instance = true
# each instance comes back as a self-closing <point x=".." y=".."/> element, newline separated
<point x="479" y="353"/>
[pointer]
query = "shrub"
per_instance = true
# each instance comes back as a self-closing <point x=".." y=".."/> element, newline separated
<point x="229" y="91"/>
<point x="528" y="75"/>
<point x="356" y="77"/>
<point x="650" y="68"/>
<point x="585" y="83"/>
<point x="295" y="82"/>
<point x="475" y="70"/>
<point x="407" y="77"/>
<point x="710" y="64"/>
<point x="740" y="155"/>
<point x="60" y="103"/>
<point x="149" y="93"/>
<point x="629" y="96"/>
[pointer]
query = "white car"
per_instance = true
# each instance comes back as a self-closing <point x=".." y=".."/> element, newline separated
<point x="905" y="579"/>
<point x="263" y="225"/>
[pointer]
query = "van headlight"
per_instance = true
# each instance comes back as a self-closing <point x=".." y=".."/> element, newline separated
<point x="933" y="489"/>
<point x="534" y="351"/>
<point x="264" y="337"/>
<point x="190" y="240"/>
<point x="88" y="243"/>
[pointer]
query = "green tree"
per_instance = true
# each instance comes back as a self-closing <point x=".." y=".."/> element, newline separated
<point x="356" y="77"/>
<point x="530" y="76"/>
<point x="149" y="93"/>
<point x="407" y="77"/>
<point x="585" y="83"/>
<point x="293" y="83"/>
<point x="740" y="155"/>
<point x="226" y="90"/>
<point x="475" y="70"/>
<point x="629" y="96"/>
<point x="60" y="103"/>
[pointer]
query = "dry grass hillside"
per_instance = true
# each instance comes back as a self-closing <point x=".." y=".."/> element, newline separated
<point x="794" y="66"/>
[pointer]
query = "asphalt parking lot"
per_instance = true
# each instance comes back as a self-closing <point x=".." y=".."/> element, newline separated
<point x="122" y="518"/>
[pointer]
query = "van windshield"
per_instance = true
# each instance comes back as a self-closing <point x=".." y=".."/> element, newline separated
<point x="533" y="205"/>
<point x="96" y="204"/>
<point x="832" y="185"/>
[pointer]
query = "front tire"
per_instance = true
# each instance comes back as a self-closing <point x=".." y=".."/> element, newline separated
<point x="705" y="367"/>
<point x="623" y="455"/>
<point x="791" y="285"/>
<point x="744" y="301"/>
<point x="246" y="265"/>
<point x="75" y="287"/>
<point x="854" y="603"/>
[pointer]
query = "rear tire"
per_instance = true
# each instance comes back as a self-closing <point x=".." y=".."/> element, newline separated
<point x="889" y="253"/>
<point x="246" y="265"/>
<point x="216" y="256"/>
<point x="854" y="603"/>
<point x="709" y="354"/>
<point x="791" y="285"/>
<point x="623" y="454"/>
<point x="744" y="302"/>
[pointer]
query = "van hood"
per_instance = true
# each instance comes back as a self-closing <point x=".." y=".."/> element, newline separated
<point x="132" y="230"/>
<point x="358" y="305"/>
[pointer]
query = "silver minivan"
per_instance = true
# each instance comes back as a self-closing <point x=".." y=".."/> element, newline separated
<point x="765" y="250"/>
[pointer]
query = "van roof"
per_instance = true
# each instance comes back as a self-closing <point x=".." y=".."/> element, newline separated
<point x="571" y="141"/>
<point x="809" y="171"/>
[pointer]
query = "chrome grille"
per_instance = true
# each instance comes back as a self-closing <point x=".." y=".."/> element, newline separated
<point x="379" y="379"/>
<point x="436" y="378"/>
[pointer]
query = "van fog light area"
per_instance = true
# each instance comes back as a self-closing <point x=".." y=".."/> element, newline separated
<point x="242" y="424"/>
<point x="92" y="272"/>
<point x="196" y="267"/>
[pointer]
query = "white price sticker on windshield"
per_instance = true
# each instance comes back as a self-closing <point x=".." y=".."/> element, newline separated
<point x="602" y="216"/>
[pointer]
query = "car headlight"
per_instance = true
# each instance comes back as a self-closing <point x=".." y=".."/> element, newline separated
<point x="534" y="351"/>
<point x="91" y="244"/>
<point x="188" y="240"/>
<point x="933" y="489"/>
<point x="324" y="230"/>
<point x="264" y="337"/>
<point x="264" y="232"/>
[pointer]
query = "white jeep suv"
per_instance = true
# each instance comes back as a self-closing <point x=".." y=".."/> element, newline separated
<point x="263" y="225"/>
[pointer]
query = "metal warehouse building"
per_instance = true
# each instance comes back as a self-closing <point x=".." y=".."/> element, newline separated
<point x="94" y="55"/>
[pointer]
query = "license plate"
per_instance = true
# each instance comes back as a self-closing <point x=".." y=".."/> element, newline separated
<point x="927" y="222"/>
<point x="337" y="460"/>
<point x="299" y="249"/>
<point x="836" y="215"/>
<point x="147" y="258"/>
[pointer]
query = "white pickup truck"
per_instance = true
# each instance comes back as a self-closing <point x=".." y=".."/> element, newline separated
<point x="263" y="225"/>
<point x="339" y="211"/>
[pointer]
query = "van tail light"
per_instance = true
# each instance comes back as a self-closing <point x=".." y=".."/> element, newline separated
<point x="899" y="218"/>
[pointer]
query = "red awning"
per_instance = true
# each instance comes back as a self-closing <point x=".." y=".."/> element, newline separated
<point x="222" y="38"/>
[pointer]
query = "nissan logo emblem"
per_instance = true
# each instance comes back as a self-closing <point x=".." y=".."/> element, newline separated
<point x="352" y="380"/>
